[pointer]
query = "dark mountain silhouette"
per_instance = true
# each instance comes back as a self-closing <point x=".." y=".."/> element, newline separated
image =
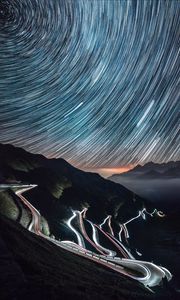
<point x="35" y="268"/>
<point x="169" y="169"/>
<point x="62" y="187"/>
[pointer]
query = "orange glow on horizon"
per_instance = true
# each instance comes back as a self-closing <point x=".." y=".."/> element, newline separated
<point x="110" y="171"/>
<point x="107" y="172"/>
<point x="104" y="171"/>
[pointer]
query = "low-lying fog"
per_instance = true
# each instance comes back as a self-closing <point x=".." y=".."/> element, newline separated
<point x="164" y="193"/>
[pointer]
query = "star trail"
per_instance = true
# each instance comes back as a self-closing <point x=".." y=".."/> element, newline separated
<point x="93" y="81"/>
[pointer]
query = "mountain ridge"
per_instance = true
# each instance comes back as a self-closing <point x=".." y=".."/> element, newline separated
<point x="62" y="187"/>
<point x="171" y="168"/>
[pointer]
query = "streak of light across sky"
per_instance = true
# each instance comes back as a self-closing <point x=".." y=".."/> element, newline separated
<point x="94" y="82"/>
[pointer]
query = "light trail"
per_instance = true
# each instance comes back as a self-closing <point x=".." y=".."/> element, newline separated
<point x="160" y="214"/>
<point x="145" y="113"/>
<point x="134" y="218"/>
<point x="103" y="223"/>
<point x="126" y="232"/>
<point x="110" y="226"/>
<point x="138" y="253"/>
<point x="96" y="240"/>
<point x="124" y="229"/>
<point x="120" y="232"/>
<point x="151" y="274"/>
<point x="79" y="214"/>
<point x="78" y="235"/>
<point x="84" y="211"/>
<point x="108" y="218"/>
<point x="121" y="248"/>
<point x="141" y="213"/>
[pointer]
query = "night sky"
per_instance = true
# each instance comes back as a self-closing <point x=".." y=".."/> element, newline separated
<point x="93" y="81"/>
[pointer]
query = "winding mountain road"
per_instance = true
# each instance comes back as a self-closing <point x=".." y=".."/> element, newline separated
<point x="144" y="272"/>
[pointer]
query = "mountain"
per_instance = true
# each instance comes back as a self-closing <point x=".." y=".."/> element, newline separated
<point x="62" y="187"/>
<point x="33" y="267"/>
<point x="155" y="170"/>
